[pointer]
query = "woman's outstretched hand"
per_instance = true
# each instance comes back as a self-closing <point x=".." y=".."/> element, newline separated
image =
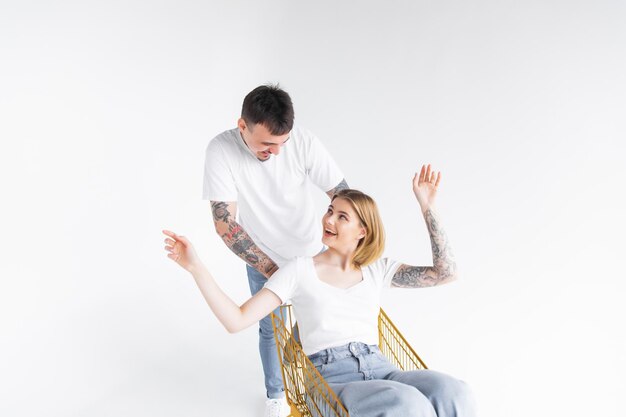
<point x="181" y="251"/>
<point x="425" y="186"/>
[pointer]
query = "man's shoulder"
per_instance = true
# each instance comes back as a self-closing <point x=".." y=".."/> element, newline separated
<point x="300" y="133"/>
<point x="226" y="137"/>
<point x="223" y="142"/>
<point x="302" y="141"/>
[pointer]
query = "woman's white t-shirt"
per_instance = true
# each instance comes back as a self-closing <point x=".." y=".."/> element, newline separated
<point x="329" y="316"/>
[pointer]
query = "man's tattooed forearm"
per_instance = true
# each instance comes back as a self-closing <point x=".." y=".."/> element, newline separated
<point x="341" y="186"/>
<point x="220" y="211"/>
<point x="240" y="243"/>
<point x="270" y="268"/>
<point x="243" y="246"/>
<point x="232" y="231"/>
<point x="236" y="238"/>
<point x="443" y="260"/>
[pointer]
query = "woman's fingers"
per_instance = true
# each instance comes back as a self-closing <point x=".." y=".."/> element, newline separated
<point x="173" y="253"/>
<point x="175" y="238"/>
<point x="172" y="250"/>
<point x="175" y="245"/>
<point x="169" y="233"/>
<point x="428" y="175"/>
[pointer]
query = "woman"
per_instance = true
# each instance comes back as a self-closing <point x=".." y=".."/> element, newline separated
<point x="336" y="297"/>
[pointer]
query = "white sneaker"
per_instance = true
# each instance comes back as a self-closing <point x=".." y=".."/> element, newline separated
<point x="277" y="407"/>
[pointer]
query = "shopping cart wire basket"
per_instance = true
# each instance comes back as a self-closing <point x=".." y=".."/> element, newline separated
<point x="307" y="393"/>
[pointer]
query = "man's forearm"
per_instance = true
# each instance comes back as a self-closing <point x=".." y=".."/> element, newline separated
<point x="238" y="240"/>
<point x="243" y="246"/>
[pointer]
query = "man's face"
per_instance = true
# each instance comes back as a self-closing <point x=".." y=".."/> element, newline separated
<point x="260" y="141"/>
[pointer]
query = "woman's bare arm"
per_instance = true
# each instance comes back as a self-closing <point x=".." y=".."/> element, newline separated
<point x="233" y="317"/>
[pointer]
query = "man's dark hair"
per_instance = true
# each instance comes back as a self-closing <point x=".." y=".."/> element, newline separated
<point x="269" y="106"/>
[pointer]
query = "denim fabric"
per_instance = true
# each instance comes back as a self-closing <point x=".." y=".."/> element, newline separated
<point x="368" y="385"/>
<point x="267" y="344"/>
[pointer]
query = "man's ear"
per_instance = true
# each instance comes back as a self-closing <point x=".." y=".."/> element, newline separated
<point x="241" y="124"/>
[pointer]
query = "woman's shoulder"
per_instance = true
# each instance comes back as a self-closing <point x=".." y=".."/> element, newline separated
<point x="297" y="263"/>
<point x="377" y="264"/>
<point x="301" y="260"/>
<point x="382" y="267"/>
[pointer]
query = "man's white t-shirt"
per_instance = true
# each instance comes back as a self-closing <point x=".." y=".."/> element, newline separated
<point x="329" y="316"/>
<point x="274" y="202"/>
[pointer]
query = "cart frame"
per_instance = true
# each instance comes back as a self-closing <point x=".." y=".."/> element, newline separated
<point x="307" y="392"/>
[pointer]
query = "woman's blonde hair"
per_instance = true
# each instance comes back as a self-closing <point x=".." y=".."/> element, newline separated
<point x="372" y="245"/>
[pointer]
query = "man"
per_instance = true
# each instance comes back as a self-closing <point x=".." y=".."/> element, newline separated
<point x="261" y="172"/>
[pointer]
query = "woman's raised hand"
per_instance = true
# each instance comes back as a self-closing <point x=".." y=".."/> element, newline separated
<point x="181" y="251"/>
<point x="425" y="186"/>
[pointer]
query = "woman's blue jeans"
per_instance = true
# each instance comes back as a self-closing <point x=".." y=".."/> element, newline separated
<point x="369" y="385"/>
<point x="267" y="344"/>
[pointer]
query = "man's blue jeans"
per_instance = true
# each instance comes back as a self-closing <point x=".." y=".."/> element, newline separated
<point x="267" y="344"/>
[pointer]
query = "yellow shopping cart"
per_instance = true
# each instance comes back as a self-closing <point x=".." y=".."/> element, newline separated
<point x="307" y="393"/>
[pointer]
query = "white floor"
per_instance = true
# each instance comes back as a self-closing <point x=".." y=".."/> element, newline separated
<point x="193" y="386"/>
<point x="190" y="381"/>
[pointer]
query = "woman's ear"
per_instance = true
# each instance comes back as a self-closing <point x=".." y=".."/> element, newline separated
<point x="362" y="233"/>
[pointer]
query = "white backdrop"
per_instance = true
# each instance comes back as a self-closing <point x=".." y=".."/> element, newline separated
<point x="105" y="112"/>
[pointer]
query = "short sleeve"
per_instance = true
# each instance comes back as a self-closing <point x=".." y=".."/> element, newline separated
<point x="383" y="271"/>
<point x="284" y="282"/>
<point x="321" y="167"/>
<point x="219" y="184"/>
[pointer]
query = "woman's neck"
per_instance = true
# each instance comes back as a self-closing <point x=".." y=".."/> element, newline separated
<point x="342" y="260"/>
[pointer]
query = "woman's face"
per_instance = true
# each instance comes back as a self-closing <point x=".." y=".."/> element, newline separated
<point x="341" y="225"/>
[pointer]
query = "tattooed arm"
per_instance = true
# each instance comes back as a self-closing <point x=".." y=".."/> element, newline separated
<point x="444" y="267"/>
<point x="342" y="185"/>
<point x="238" y="239"/>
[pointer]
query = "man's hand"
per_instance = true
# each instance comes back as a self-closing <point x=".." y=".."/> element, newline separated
<point x="341" y="186"/>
